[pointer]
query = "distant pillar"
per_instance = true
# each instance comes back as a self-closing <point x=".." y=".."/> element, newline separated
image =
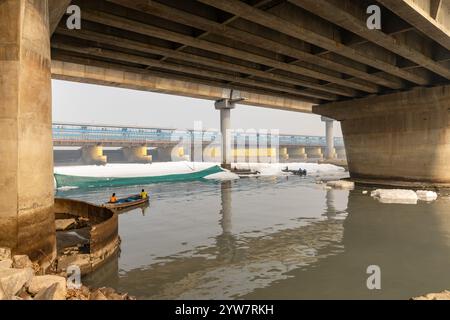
<point x="225" y="106"/>
<point x="330" y="152"/>
<point x="314" y="152"/>
<point x="137" y="154"/>
<point x="93" y="155"/>
<point x="170" y="153"/>
<point x="27" y="220"/>
<point x="284" y="154"/>
<point x="297" y="153"/>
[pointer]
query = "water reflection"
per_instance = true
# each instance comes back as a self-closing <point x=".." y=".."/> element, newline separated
<point x="260" y="239"/>
<point x="410" y="243"/>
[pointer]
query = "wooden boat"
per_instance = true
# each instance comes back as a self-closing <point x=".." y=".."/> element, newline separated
<point x="127" y="202"/>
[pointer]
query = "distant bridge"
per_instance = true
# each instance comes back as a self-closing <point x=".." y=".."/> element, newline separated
<point x="173" y="144"/>
<point x="117" y="136"/>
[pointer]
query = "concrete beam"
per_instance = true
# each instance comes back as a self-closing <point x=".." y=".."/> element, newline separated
<point x="417" y="16"/>
<point x="166" y="12"/>
<point x="318" y="91"/>
<point x="298" y="31"/>
<point x="57" y="9"/>
<point x="131" y="78"/>
<point x="134" y="26"/>
<point x="354" y="21"/>
<point x="193" y="71"/>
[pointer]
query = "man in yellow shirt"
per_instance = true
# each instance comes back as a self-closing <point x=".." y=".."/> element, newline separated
<point x="144" y="195"/>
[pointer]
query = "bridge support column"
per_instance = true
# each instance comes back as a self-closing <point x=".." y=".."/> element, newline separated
<point x="330" y="152"/>
<point x="176" y="153"/>
<point x="27" y="221"/>
<point x="314" y="153"/>
<point x="93" y="155"/>
<point x="225" y="106"/>
<point x="283" y="153"/>
<point x="340" y="153"/>
<point x="211" y="154"/>
<point x="400" y="138"/>
<point x="297" y="153"/>
<point x="137" y="154"/>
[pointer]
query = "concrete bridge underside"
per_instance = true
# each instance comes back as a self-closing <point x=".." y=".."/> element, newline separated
<point x="389" y="87"/>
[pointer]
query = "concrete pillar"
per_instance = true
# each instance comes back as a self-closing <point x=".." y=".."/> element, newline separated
<point x="211" y="153"/>
<point x="314" y="152"/>
<point x="137" y="154"/>
<point x="27" y="223"/>
<point x="340" y="153"/>
<point x="225" y="106"/>
<point x="284" y="154"/>
<point x="170" y="153"/>
<point x="93" y="155"/>
<point x="400" y="138"/>
<point x="329" y="132"/>
<point x="297" y="153"/>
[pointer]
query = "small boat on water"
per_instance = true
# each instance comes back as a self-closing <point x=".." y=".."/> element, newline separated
<point x="127" y="202"/>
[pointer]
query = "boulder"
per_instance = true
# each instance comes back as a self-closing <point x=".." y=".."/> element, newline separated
<point x="21" y="262"/>
<point x="12" y="280"/>
<point x="39" y="283"/>
<point x="445" y="295"/>
<point x="5" y="253"/>
<point x="6" y="264"/>
<point x="111" y="294"/>
<point x="3" y="295"/>
<point x="65" y="224"/>
<point x="97" y="295"/>
<point x="55" y="292"/>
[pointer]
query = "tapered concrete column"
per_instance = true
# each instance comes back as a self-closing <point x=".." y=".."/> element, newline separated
<point x="314" y="152"/>
<point x="225" y="107"/>
<point x="400" y="138"/>
<point x="284" y="155"/>
<point x="137" y="154"/>
<point x="329" y="130"/>
<point x="297" y="153"/>
<point x="176" y="153"/>
<point x="93" y="155"/>
<point x="27" y="223"/>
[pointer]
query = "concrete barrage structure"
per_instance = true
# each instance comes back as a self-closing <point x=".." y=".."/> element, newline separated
<point x="388" y="86"/>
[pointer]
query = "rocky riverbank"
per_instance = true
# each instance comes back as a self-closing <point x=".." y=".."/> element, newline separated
<point x="20" y="279"/>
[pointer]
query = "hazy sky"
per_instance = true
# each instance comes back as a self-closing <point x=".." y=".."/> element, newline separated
<point x="93" y="104"/>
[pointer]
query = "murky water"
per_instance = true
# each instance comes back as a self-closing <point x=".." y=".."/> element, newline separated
<point x="273" y="238"/>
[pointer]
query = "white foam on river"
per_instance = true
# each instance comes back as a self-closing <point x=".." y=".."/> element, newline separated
<point x="131" y="170"/>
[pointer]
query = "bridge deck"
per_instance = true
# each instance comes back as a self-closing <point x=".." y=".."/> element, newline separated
<point x="279" y="53"/>
<point x="78" y="135"/>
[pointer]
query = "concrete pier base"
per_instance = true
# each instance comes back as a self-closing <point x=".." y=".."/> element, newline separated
<point x="171" y="153"/>
<point x="314" y="153"/>
<point x="340" y="153"/>
<point x="401" y="138"/>
<point x="283" y="154"/>
<point x="27" y="222"/>
<point x="93" y="155"/>
<point x="137" y="154"/>
<point x="297" y="153"/>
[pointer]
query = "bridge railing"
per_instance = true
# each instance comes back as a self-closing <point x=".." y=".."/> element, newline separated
<point x="96" y="134"/>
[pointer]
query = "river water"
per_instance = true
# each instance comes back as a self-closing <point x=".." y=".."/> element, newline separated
<point x="274" y="238"/>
